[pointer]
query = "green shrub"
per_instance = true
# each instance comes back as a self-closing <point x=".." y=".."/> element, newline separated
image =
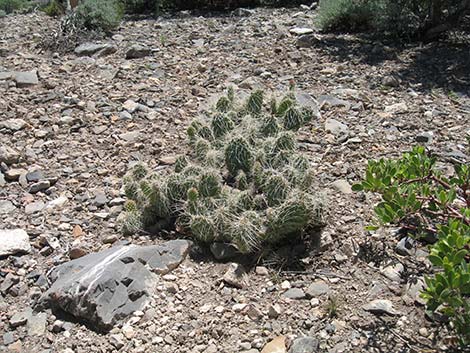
<point x="54" y="9"/>
<point x="235" y="185"/>
<point x="9" y="6"/>
<point x="102" y="15"/>
<point x="421" y="200"/>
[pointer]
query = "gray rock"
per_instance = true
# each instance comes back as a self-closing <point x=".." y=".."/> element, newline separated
<point x="424" y="137"/>
<point x="316" y="289"/>
<point x="327" y="101"/>
<point x="37" y="324"/>
<point x="6" y="207"/>
<point x="381" y="306"/>
<point x="21" y="318"/>
<point x="100" y="199"/>
<point x="2" y="179"/>
<point x="235" y="275"/>
<point x="39" y="186"/>
<point x="336" y="128"/>
<point x="224" y="251"/>
<point x="34" y="176"/>
<point x="393" y="272"/>
<point x="8" y="155"/>
<point x="14" y="241"/>
<point x="304" y="345"/>
<point x="305" y="100"/>
<point x="106" y="287"/>
<point x="26" y="79"/>
<point x="406" y="246"/>
<point x="34" y="207"/>
<point x="117" y="340"/>
<point x="294" y="293"/>
<point x="342" y="186"/>
<point x="13" y="124"/>
<point x="89" y="49"/>
<point x="137" y="51"/>
<point x="306" y="41"/>
<point x="8" y="338"/>
<point x="131" y="136"/>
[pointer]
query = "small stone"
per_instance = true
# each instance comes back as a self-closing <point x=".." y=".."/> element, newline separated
<point x="405" y="246"/>
<point x="8" y="338"/>
<point x="128" y="332"/>
<point x="262" y="271"/>
<point x="34" y="207"/>
<point x="89" y="49"/>
<point x="235" y="275"/>
<point x="137" y="51"/>
<point x="13" y="124"/>
<point x="424" y="137"/>
<point x="239" y="307"/>
<point x="14" y="241"/>
<point x="6" y="207"/>
<point x="294" y="293"/>
<point x="317" y="289"/>
<point x="285" y="285"/>
<point x="39" y="186"/>
<point x="168" y="160"/>
<point x="304" y="345"/>
<point x="342" y="186"/>
<point x="20" y="318"/>
<point x="306" y="41"/>
<point x="8" y="155"/>
<point x="37" y="324"/>
<point x="277" y="345"/>
<point x="380" y="306"/>
<point x="390" y="81"/>
<point x="336" y="128"/>
<point x="77" y="252"/>
<point x="117" y="201"/>
<point x="253" y="312"/>
<point x="274" y="311"/>
<point x="131" y="136"/>
<point x="100" y="199"/>
<point x="301" y="31"/>
<point x="397" y="108"/>
<point x="57" y="326"/>
<point x="34" y="176"/>
<point x="130" y="106"/>
<point x="393" y="272"/>
<point x="117" y="340"/>
<point x="26" y="79"/>
<point x="14" y="174"/>
<point x="423" y="331"/>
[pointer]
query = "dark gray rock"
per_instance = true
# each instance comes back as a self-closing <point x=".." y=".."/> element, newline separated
<point x="106" y="287"/>
<point x="304" y="345"/>
<point x="89" y="49"/>
<point x="39" y="186"/>
<point x="424" y="137"/>
<point x="405" y="247"/>
<point x="224" y="251"/>
<point x="137" y="51"/>
<point x="34" y="176"/>
<point x="306" y="41"/>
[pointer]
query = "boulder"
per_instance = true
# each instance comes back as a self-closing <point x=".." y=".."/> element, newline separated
<point x="106" y="287"/>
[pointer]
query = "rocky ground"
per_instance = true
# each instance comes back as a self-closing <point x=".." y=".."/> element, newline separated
<point x="72" y="123"/>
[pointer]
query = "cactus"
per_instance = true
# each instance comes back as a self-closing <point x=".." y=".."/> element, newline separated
<point x="293" y="119"/>
<point x="254" y="104"/>
<point x="203" y="228"/>
<point x="269" y="126"/>
<point x="181" y="163"/>
<point x="275" y="188"/>
<point x="221" y="124"/>
<point x="210" y="184"/>
<point x="238" y="156"/>
<point x="243" y="180"/>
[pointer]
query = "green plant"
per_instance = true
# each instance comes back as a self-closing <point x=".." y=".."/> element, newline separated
<point x="9" y="6"/>
<point x="235" y="185"/>
<point x="427" y="204"/>
<point x="103" y="15"/>
<point x="54" y="9"/>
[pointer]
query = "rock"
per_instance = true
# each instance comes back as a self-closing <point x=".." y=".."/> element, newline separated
<point x="106" y="287"/>
<point x="342" y="186"/>
<point x="241" y="12"/>
<point x="131" y="136"/>
<point x="381" y="306"/>
<point x="13" y="124"/>
<point x="301" y="31"/>
<point x="14" y="174"/>
<point x="2" y="179"/>
<point x="393" y="273"/>
<point x="137" y="51"/>
<point x="39" y="186"/>
<point x="294" y="293"/>
<point x="335" y="127"/>
<point x="306" y="41"/>
<point x="262" y="271"/>
<point x="234" y="276"/>
<point x="305" y="100"/>
<point x="34" y="176"/>
<point x="34" y="207"/>
<point x="6" y="207"/>
<point x="57" y="326"/>
<point x="274" y="311"/>
<point x="406" y="246"/>
<point x="89" y="49"/>
<point x="317" y="289"/>
<point x="14" y="241"/>
<point x="390" y="81"/>
<point x="20" y="318"/>
<point x="305" y="345"/>
<point x="37" y="324"/>
<point x="424" y="137"/>
<point x="117" y="340"/>
<point x="277" y="345"/>
<point x="224" y="251"/>
<point x="77" y="252"/>
<point x="327" y="101"/>
<point x="26" y="79"/>
<point x="9" y="281"/>
<point x="8" y="155"/>
<point x="100" y="199"/>
<point x="167" y="160"/>
<point x="397" y="108"/>
<point x="8" y="338"/>
<point x="130" y="106"/>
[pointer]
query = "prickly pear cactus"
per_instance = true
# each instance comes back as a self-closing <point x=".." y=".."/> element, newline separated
<point x="242" y="181"/>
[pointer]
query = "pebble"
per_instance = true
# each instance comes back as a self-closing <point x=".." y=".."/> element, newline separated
<point x="381" y="306"/>
<point x="294" y="293"/>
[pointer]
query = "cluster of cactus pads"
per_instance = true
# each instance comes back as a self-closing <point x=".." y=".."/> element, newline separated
<point x="244" y="181"/>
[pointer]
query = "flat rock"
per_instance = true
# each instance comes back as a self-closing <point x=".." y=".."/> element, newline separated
<point x="294" y="293"/>
<point x="13" y="124"/>
<point x="317" y="288"/>
<point x="137" y="51"/>
<point x="342" y="186"/>
<point x="34" y="207"/>
<point x="26" y="79"/>
<point x="37" y="324"/>
<point x="106" y="287"/>
<point x="14" y="241"/>
<point x="305" y="345"/>
<point x="381" y="306"/>
<point x="8" y="155"/>
<point x="327" y="101"/>
<point x="301" y="30"/>
<point x="277" y="345"/>
<point x="6" y="207"/>
<point x="89" y="49"/>
<point x="336" y="128"/>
